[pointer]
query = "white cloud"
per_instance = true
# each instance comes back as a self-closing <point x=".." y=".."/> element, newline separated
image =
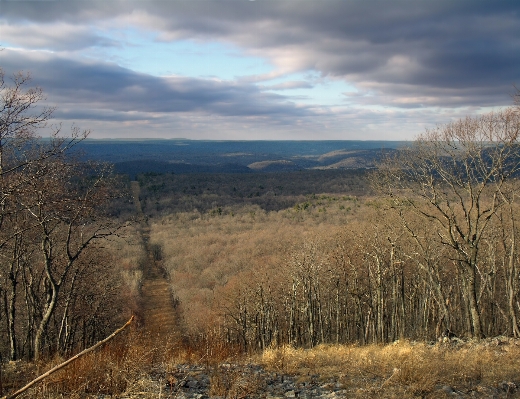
<point x="59" y="36"/>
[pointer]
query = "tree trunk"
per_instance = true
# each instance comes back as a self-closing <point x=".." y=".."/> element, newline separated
<point x="471" y="291"/>
<point x="48" y="311"/>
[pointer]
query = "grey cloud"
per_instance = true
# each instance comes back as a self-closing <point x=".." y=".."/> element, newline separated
<point x="52" y="11"/>
<point x="107" y="86"/>
<point x="450" y="45"/>
<point x="288" y="86"/>
<point x="453" y="44"/>
<point x="402" y="54"/>
<point x="102" y="115"/>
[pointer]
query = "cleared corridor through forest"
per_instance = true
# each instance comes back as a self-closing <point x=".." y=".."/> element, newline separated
<point x="158" y="310"/>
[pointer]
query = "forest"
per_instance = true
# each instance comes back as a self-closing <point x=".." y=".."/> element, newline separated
<point x="422" y="247"/>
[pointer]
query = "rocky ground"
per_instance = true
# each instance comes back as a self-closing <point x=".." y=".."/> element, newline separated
<point x="253" y="381"/>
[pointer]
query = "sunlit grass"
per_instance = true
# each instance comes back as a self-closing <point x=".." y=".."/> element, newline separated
<point x="138" y="365"/>
<point x="403" y="368"/>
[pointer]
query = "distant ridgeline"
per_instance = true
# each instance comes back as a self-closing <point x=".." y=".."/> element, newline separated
<point x="180" y="156"/>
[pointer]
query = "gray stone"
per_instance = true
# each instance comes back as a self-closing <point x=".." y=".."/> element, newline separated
<point x="447" y="389"/>
<point x="507" y="386"/>
<point x="193" y="384"/>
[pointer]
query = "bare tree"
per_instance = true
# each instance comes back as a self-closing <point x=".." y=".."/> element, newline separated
<point x="64" y="213"/>
<point x="50" y="216"/>
<point x="452" y="177"/>
<point x="21" y="117"/>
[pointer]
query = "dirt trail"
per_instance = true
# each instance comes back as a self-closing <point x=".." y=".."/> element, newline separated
<point x="159" y="312"/>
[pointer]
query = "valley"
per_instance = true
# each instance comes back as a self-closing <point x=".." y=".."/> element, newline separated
<point x="191" y="156"/>
<point x="289" y="283"/>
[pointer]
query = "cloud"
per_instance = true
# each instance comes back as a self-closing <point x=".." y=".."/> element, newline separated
<point x="405" y="59"/>
<point x="291" y="85"/>
<point x="440" y="43"/>
<point x="107" y="92"/>
<point x="57" y="36"/>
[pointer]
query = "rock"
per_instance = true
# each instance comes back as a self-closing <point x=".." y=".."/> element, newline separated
<point x="507" y="386"/>
<point x="328" y="386"/>
<point x="449" y="390"/>
<point x="290" y="394"/>
<point x="488" y="392"/>
<point x="192" y="384"/>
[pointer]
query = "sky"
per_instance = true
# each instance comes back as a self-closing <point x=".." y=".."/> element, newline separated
<point x="265" y="69"/>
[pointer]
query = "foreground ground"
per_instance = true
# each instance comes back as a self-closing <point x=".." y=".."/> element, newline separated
<point x="138" y="368"/>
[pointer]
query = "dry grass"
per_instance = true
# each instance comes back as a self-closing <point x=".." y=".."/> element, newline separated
<point x="138" y="365"/>
<point x="227" y="382"/>
<point x="127" y="365"/>
<point x="403" y="369"/>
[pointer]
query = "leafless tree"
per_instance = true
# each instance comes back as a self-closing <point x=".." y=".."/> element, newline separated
<point x="50" y="215"/>
<point x="453" y="177"/>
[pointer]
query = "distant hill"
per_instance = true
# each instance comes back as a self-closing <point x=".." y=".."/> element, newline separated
<point x="274" y="166"/>
<point x="133" y="157"/>
<point x="134" y="168"/>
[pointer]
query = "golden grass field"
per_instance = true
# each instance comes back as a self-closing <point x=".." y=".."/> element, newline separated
<point x="405" y="369"/>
